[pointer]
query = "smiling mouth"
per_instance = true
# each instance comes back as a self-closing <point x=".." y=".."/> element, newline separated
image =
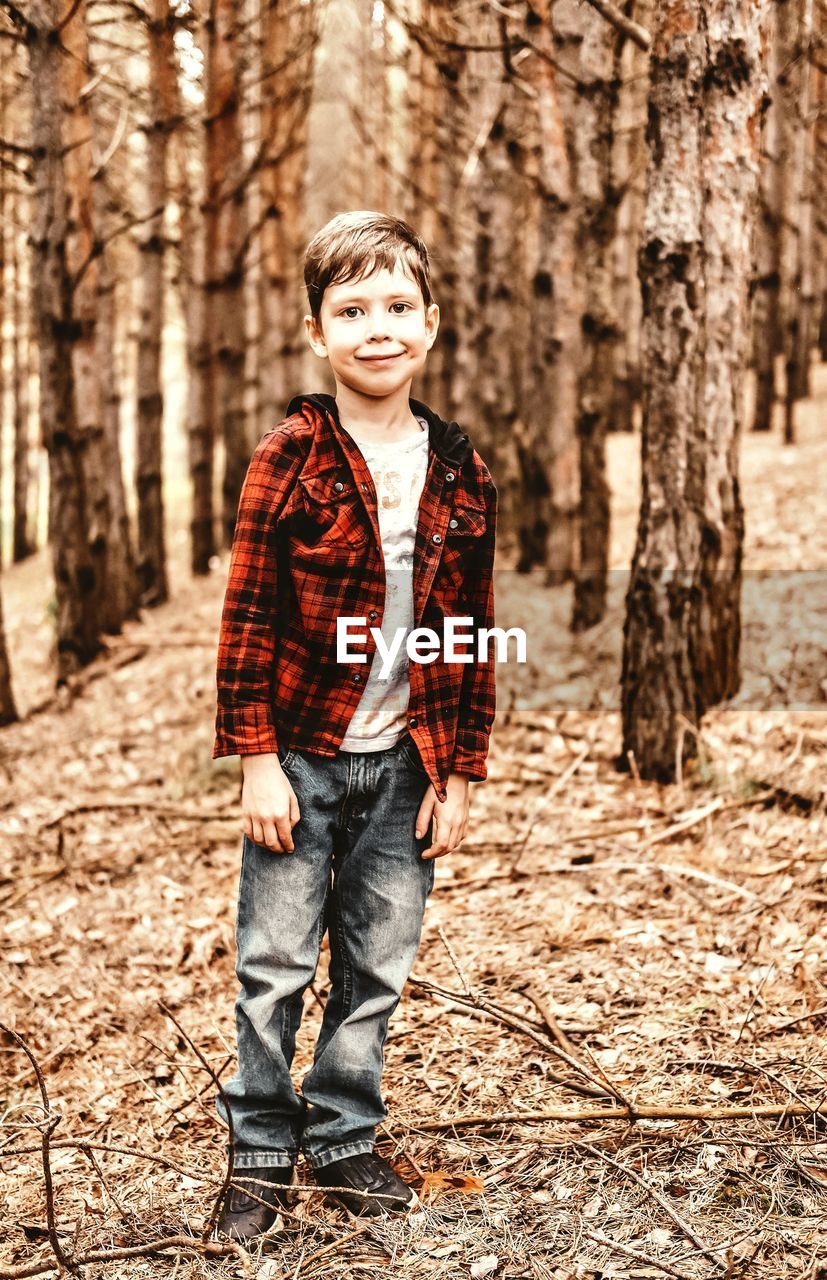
<point x="379" y="359"/>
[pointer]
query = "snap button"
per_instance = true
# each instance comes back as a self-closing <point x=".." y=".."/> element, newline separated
<point x="437" y="537"/>
<point x="338" y="487"/>
<point x="413" y="722"/>
<point x="373" y="614"/>
<point x="449" y="476"/>
<point x="357" y="679"/>
<point x="364" y="486"/>
<point x="452" y="523"/>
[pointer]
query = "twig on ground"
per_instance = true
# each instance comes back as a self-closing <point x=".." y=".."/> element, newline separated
<point x="616" y="1247"/>
<point x="661" y="1200"/>
<point x="51" y="1122"/>
<point x="219" y="1199"/>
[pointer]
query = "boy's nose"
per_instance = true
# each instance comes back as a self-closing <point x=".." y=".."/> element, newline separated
<point x="377" y="326"/>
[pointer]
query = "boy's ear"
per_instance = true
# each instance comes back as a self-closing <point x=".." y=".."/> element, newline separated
<point x="431" y="324"/>
<point x="315" y="336"/>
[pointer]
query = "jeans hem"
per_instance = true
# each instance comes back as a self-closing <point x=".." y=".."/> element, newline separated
<point x="264" y="1160"/>
<point x="318" y="1159"/>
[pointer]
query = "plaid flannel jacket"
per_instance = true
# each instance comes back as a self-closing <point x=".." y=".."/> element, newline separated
<point x="307" y="550"/>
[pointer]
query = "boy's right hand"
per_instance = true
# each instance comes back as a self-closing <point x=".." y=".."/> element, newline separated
<point x="268" y="803"/>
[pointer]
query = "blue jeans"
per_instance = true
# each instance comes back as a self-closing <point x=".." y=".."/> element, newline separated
<point x="357" y="870"/>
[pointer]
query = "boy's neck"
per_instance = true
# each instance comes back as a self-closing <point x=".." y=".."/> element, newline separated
<point x="376" y="418"/>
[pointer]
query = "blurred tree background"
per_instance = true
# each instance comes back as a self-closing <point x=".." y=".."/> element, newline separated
<point x="624" y="204"/>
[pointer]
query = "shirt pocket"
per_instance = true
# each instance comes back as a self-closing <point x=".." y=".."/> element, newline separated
<point x="466" y="525"/>
<point x="332" y="514"/>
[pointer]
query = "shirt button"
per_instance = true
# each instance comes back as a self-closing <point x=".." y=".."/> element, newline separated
<point x="413" y="722"/>
<point x="338" y="487"/>
<point x="450" y="475"/>
<point x="364" y="486"/>
<point x="437" y="537"/>
<point x="357" y="679"/>
<point x="373" y="614"/>
<point x="452" y="523"/>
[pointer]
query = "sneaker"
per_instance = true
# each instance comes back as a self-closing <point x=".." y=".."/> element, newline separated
<point x="243" y="1218"/>
<point x="387" y="1193"/>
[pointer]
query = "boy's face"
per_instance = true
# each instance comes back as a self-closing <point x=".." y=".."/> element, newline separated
<point x="376" y="332"/>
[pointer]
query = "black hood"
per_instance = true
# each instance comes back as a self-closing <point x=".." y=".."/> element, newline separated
<point x="447" y="439"/>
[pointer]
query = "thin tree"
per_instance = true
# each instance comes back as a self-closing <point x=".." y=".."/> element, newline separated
<point x="162" y="104"/>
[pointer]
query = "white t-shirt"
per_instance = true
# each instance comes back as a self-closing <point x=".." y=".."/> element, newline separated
<point x="398" y="469"/>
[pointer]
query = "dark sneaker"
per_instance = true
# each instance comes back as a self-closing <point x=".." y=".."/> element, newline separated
<point x="243" y="1218"/>
<point x="368" y="1172"/>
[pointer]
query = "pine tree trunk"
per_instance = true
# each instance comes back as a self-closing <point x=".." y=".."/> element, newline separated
<point x="187" y="150"/>
<point x="630" y="167"/>
<point x="224" y="208"/>
<point x="794" y="31"/>
<point x="23" y="525"/>
<point x="765" y="307"/>
<point x="8" y="709"/>
<point x="438" y="148"/>
<point x="549" y="461"/>
<point x="288" y="41"/>
<point x="123" y="590"/>
<point x="76" y="555"/>
<point x="682" y="631"/>
<point x="152" y="554"/>
<point x="597" y="204"/>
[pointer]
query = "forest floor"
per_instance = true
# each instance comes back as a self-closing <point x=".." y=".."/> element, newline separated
<point x="598" y="945"/>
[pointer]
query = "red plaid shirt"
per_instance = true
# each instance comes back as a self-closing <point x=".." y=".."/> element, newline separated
<point x="307" y="550"/>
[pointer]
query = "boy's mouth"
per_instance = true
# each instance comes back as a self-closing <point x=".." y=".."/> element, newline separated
<point x="379" y="359"/>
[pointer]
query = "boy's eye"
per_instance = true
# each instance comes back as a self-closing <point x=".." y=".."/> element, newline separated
<point x="347" y="310"/>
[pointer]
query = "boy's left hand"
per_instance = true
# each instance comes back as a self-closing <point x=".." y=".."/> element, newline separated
<point x="450" y="816"/>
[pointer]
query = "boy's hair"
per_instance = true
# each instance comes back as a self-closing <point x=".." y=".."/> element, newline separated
<point x="352" y="245"/>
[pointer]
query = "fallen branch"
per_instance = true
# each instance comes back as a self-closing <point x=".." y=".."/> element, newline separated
<point x="642" y="1111"/>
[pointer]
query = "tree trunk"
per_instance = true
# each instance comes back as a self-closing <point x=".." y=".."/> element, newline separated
<point x="597" y="204"/>
<point x="548" y="451"/>
<point x="224" y="207"/>
<point x="765" y="307"/>
<point x="288" y="42"/>
<point x="23" y="520"/>
<point x="152" y="556"/>
<point x="438" y="146"/>
<point x="630" y="168"/>
<point x="682" y="630"/>
<point x="794" y="32"/>
<point x="8" y="709"/>
<point x="77" y="551"/>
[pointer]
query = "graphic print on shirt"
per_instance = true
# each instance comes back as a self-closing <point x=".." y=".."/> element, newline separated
<point x="398" y="471"/>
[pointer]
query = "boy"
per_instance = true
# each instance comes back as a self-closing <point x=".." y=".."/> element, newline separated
<point x="367" y="507"/>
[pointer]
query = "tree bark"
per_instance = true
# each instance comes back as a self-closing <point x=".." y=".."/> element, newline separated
<point x="597" y="205"/>
<point x="288" y="44"/>
<point x="224" y="210"/>
<point x="682" y="629"/>
<point x="77" y="542"/>
<point x="152" y="555"/>
<point x="23" y="517"/>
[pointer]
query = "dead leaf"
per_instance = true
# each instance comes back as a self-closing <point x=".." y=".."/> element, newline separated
<point x="439" y="1180"/>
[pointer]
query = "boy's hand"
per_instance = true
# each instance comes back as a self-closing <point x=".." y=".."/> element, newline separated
<point x="268" y="803"/>
<point x="450" y="816"/>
